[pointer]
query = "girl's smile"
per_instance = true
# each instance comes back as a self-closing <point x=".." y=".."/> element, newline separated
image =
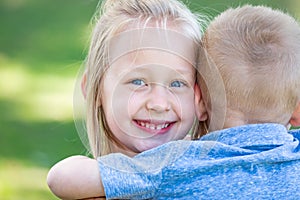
<point x="154" y="126"/>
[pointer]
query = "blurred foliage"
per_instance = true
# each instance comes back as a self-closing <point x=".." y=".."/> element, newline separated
<point x="42" y="46"/>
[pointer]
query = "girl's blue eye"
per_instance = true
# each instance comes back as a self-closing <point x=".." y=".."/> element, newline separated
<point x="177" y="84"/>
<point x="138" y="82"/>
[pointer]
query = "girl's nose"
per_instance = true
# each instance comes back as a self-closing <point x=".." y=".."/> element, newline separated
<point x="158" y="99"/>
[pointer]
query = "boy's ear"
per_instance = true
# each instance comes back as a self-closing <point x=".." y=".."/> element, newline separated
<point x="201" y="111"/>
<point x="295" y="119"/>
<point x="83" y="85"/>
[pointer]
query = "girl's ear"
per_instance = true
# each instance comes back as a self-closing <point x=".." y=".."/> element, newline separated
<point x="83" y="85"/>
<point x="201" y="111"/>
<point x="295" y="119"/>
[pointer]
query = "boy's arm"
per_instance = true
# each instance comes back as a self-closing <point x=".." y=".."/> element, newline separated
<point x="76" y="177"/>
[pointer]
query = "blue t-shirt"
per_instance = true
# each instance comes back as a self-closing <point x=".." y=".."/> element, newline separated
<point x="260" y="161"/>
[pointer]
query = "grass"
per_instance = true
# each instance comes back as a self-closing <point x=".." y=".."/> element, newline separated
<point x="42" y="46"/>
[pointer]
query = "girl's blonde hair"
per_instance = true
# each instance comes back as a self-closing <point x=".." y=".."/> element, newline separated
<point x="114" y="16"/>
<point x="257" y="52"/>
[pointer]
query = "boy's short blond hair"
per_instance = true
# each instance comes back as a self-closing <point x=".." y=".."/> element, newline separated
<point x="257" y="52"/>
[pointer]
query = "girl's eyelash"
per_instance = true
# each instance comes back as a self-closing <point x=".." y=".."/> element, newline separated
<point x="173" y="84"/>
<point x="137" y="81"/>
<point x="179" y="83"/>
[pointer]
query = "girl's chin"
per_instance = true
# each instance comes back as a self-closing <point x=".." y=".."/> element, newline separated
<point x="145" y="147"/>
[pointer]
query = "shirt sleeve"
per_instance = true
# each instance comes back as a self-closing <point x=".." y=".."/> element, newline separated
<point x="138" y="177"/>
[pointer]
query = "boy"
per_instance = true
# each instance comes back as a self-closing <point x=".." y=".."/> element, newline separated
<point x="257" y="53"/>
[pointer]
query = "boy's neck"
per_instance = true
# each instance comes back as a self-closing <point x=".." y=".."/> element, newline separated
<point x="234" y="118"/>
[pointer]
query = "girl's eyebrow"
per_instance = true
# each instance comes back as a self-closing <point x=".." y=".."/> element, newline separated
<point x="185" y="71"/>
<point x="179" y="69"/>
<point x="174" y="73"/>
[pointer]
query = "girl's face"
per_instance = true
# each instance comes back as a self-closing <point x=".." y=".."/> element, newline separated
<point x="148" y="94"/>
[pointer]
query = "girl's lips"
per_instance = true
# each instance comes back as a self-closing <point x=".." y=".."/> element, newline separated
<point x="157" y="127"/>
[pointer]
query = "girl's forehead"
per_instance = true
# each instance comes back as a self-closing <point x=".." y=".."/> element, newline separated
<point x="158" y="39"/>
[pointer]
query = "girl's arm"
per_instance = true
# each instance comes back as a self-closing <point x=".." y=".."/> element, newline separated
<point x="76" y="177"/>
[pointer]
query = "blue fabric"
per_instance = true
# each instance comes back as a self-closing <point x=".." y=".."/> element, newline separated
<point x="260" y="161"/>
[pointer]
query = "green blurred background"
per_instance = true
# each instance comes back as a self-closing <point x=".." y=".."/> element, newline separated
<point x="42" y="46"/>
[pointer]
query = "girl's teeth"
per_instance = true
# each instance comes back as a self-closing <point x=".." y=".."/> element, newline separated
<point x="159" y="127"/>
<point x="153" y="126"/>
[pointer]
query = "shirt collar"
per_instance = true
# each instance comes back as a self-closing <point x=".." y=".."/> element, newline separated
<point x="252" y="136"/>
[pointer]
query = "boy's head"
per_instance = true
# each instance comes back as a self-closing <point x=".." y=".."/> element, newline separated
<point x="257" y="53"/>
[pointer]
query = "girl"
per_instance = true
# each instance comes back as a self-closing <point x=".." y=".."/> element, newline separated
<point x="139" y="85"/>
<point x="130" y="108"/>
